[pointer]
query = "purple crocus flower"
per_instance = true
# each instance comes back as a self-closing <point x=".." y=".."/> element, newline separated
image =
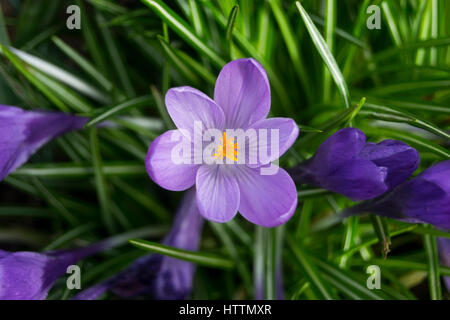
<point x="23" y="132"/>
<point x="158" y="276"/>
<point x="444" y="255"/>
<point x="241" y="102"/>
<point x="30" y="275"/>
<point x="423" y="199"/>
<point x="345" y="163"/>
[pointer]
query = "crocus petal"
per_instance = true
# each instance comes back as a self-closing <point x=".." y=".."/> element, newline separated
<point x="266" y="200"/>
<point x="344" y="145"/>
<point x="287" y="132"/>
<point x="30" y="275"/>
<point x="356" y="179"/>
<point x="158" y="276"/>
<point x="439" y="174"/>
<point x="423" y="199"/>
<point x="189" y="108"/>
<point x="346" y="164"/>
<point x="242" y="90"/>
<point x="400" y="159"/>
<point x="217" y="193"/>
<point x="162" y="168"/>
<point x="23" y="132"/>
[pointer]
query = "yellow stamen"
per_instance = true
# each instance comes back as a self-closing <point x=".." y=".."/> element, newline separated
<point x="228" y="148"/>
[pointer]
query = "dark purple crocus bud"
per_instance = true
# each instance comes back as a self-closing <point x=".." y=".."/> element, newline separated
<point x="345" y="163"/>
<point x="158" y="276"/>
<point x="423" y="199"/>
<point x="23" y="132"/>
<point x="30" y="275"/>
<point x="444" y="255"/>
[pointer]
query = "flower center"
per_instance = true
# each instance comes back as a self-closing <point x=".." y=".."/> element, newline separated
<point x="227" y="148"/>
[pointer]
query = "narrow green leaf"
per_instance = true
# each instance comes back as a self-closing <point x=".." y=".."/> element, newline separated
<point x="231" y="22"/>
<point x="234" y="253"/>
<point x="310" y="269"/>
<point x="203" y="259"/>
<point x="109" y="112"/>
<point x="427" y="85"/>
<point x="292" y="45"/>
<point x="30" y="77"/>
<point x="100" y="183"/>
<point x="83" y="63"/>
<point x="117" y="60"/>
<point x="177" y="62"/>
<point x="391" y="22"/>
<point x="175" y="22"/>
<point x="326" y="55"/>
<point x="4" y="38"/>
<point x="394" y="115"/>
<point x="196" y="18"/>
<point x="62" y="75"/>
<point x="330" y="25"/>
<point x="311" y="193"/>
<point x="67" y="170"/>
<point x="381" y="230"/>
<point x="434" y="281"/>
<point x="343" y="277"/>
<point x="161" y="108"/>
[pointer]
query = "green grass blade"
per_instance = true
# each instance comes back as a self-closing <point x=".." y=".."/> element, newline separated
<point x="117" y="61"/>
<point x="102" y="192"/>
<point x="231" y="22"/>
<point x="83" y="63"/>
<point x="177" y="24"/>
<point x="330" y="25"/>
<point x="326" y="55"/>
<point x="310" y="269"/>
<point x="291" y="44"/>
<point x="109" y="112"/>
<point x="391" y="114"/>
<point x="202" y="259"/>
<point x="434" y="281"/>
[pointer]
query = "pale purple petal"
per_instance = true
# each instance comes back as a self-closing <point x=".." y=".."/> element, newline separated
<point x="167" y="170"/>
<point x="284" y="128"/>
<point x="242" y="90"/>
<point x="189" y="107"/>
<point x="266" y="200"/>
<point x="217" y="193"/>
<point x="23" y="132"/>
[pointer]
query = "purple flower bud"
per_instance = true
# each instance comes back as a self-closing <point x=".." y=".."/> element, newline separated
<point x="30" y="275"/>
<point x="345" y="163"/>
<point x="423" y="199"/>
<point x="23" y="132"/>
<point x="157" y="276"/>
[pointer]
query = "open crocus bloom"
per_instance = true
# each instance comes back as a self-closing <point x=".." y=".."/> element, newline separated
<point x="345" y="163"/>
<point x="233" y="146"/>
<point x="23" y="132"/>
<point x="154" y="275"/>
<point x="423" y="199"/>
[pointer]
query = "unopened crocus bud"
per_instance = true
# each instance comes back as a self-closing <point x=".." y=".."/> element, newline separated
<point x="346" y="164"/>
